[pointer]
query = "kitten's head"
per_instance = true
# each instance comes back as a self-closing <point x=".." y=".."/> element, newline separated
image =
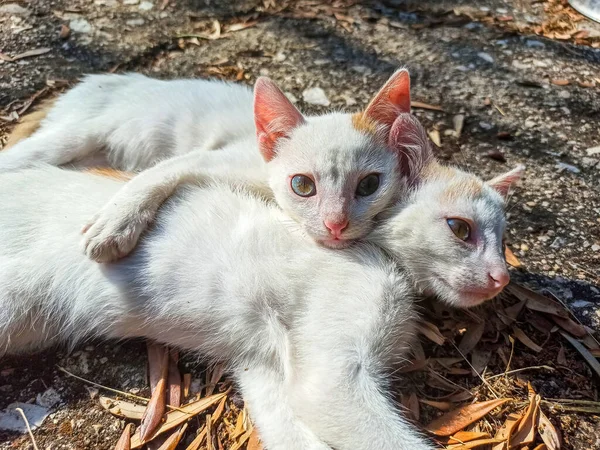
<point x="449" y="231"/>
<point x="335" y="173"/>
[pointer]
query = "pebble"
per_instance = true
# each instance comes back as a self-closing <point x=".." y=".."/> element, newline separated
<point x="131" y="2"/>
<point x="529" y="123"/>
<point x="15" y="9"/>
<point x="146" y="6"/>
<point x="291" y="97"/>
<point x="534" y="44"/>
<point x="595" y="247"/>
<point x="97" y="427"/>
<point x="593" y="151"/>
<point x="588" y="162"/>
<point x="558" y="243"/>
<point x="485" y="125"/>
<point x="315" y="96"/>
<point x="519" y="65"/>
<point x="135" y="22"/>
<point x="110" y="3"/>
<point x="280" y="57"/>
<point x="486" y="57"/>
<point x="80" y="26"/>
<point x="48" y="398"/>
<point x="564" y="166"/>
<point x="564" y="94"/>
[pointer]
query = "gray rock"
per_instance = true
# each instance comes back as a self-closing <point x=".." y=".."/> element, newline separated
<point x="316" y="96"/>
<point x="135" y="22"/>
<point x="593" y="151"/>
<point x="519" y="64"/>
<point x="14" y="9"/>
<point x="48" y="398"/>
<point x="564" y="166"/>
<point x="534" y="44"/>
<point x="12" y="420"/>
<point x="80" y="26"/>
<point x="564" y="94"/>
<point x="146" y="6"/>
<point x="486" y="57"/>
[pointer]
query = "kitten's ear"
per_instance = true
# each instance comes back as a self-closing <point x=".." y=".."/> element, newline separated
<point x="274" y="115"/>
<point x="502" y="183"/>
<point x="409" y="139"/>
<point x="391" y="100"/>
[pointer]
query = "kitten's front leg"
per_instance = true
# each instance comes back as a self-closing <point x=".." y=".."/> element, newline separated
<point x="267" y="397"/>
<point x="114" y="231"/>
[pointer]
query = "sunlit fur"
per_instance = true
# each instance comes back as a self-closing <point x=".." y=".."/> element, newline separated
<point x="311" y="335"/>
<point x="132" y="122"/>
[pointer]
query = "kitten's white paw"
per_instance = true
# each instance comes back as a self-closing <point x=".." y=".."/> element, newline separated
<point x="113" y="232"/>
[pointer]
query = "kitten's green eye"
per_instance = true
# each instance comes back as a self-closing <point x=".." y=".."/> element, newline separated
<point x="303" y="186"/>
<point x="368" y="185"/>
<point x="460" y="228"/>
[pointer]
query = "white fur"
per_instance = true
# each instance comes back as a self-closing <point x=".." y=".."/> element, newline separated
<point x="310" y="334"/>
<point x="136" y="122"/>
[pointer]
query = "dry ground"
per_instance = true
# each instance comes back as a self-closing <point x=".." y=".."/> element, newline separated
<point x="525" y="98"/>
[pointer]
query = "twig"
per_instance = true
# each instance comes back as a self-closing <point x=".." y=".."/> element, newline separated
<point x="512" y="351"/>
<point x="20" y="411"/>
<point x="475" y="370"/>
<point x="126" y="394"/>
<point x="520" y="370"/>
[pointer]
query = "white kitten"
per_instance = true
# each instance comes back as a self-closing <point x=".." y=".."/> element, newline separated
<point x="332" y="174"/>
<point x="310" y="334"/>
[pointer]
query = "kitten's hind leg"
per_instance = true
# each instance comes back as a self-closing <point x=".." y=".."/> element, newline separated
<point x="268" y="402"/>
<point x="48" y="145"/>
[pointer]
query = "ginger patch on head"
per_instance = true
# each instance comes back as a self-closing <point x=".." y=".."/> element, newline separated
<point x="459" y="184"/>
<point x="362" y="123"/>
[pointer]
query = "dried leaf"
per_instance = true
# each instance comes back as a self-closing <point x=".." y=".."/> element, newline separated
<point x="240" y="26"/>
<point x="413" y="406"/>
<point x="537" y="302"/>
<point x="475" y="444"/>
<point x="187" y="382"/>
<point x="507" y="430"/>
<point x="465" y="436"/>
<point x="541" y="447"/>
<point x="459" y="418"/>
<point x="561" y="358"/>
<point x="524" y="339"/>
<point x="158" y="402"/>
<point x="174" y="377"/>
<point x="172" y="441"/>
<point x="213" y="377"/>
<point x="480" y="360"/>
<point x="510" y="314"/>
<point x="570" y="326"/>
<point x="254" y="441"/>
<point x="560" y="82"/>
<point x="422" y="105"/>
<point x="156" y="354"/>
<point x="195" y="444"/>
<point x="525" y="433"/>
<point x="461" y="396"/>
<point x="434" y="135"/>
<point x="549" y="434"/>
<point x="442" y="406"/>
<point x="510" y="256"/>
<point x="432" y="332"/>
<point x="471" y="337"/>
<point x="177" y="417"/>
<point x="121" y="408"/>
<point x="415" y="366"/>
<point x="593" y="362"/>
<point x="27" y="54"/>
<point x="124" y="442"/>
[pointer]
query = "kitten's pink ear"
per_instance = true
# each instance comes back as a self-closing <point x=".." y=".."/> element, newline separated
<point x="502" y="183"/>
<point x="274" y="115"/>
<point x="393" y="99"/>
<point x="409" y="139"/>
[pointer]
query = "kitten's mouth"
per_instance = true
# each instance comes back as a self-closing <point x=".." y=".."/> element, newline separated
<point x="336" y="243"/>
<point x="470" y="297"/>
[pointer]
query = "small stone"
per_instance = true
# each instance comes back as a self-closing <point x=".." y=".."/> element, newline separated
<point x="540" y="63"/>
<point x="14" y="9"/>
<point x="524" y="247"/>
<point x="564" y="166"/>
<point x="485" y="126"/>
<point x="93" y="392"/>
<point x="496" y="155"/>
<point x="534" y="44"/>
<point x="316" y="96"/>
<point x="135" y="22"/>
<point x="110" y="3"/>
<point x="564" y="94"/>
<point x="48" y="398"/>
<point x="529" y="123"/>
<point x="486" y="57"/>
<point x="64" y="32"/>
<point x="103" y="360"/>
<point x="363" y="70"/>
<point x="581" y="304"/>
<point x="350" y="101"/>
<point x="588" y="163"/>
<point x="280" y="57"/>
<point x="519" y="65"/>
<point x="97" y="427"/>
<point x="593" y="151"/>
<point x="595" y="247"/>
<point x="146" y="6"/>
<point x="80" y="26"/>
<point x="473" y="26"/>
<point x="131" y="2"/>
<point x="291" y="97"/>
<point x="558" y="243"/>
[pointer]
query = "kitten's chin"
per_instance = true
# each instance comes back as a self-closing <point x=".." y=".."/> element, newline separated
<point x="459" y="298"/>
<point x="336" y="243"/>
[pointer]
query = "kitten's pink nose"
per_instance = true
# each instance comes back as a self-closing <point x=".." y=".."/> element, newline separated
<point x="499" y="278"/>
<point x="336" y="228"/>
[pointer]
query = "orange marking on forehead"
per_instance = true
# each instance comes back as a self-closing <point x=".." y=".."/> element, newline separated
<point x="459" y="184"/>
<point x="107" y="172"/>
<point x="364" y="124"/>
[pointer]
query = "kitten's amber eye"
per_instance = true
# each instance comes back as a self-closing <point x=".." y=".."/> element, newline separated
<point x="460" y="228"/>
<point x="368" y="185"/>
<point x="303" y="186"/>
